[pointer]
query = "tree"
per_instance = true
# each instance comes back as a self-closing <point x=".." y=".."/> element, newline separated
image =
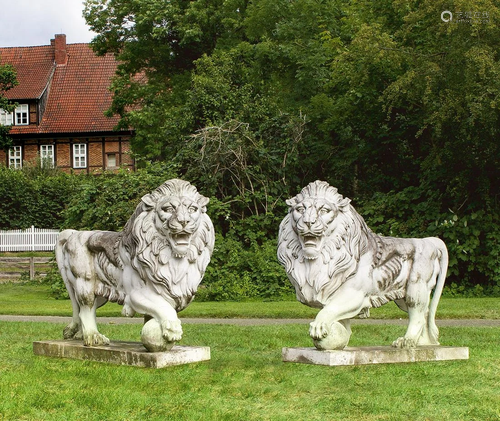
<point x="7" y="81"/>
<point x="157" y="43"/>
<point x="397" y="108"/>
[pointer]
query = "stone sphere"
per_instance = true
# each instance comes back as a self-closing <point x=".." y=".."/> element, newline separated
<point x="337" y="338"/>
<point x="152" y="338"/>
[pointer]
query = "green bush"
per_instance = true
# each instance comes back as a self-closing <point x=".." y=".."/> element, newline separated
<point x="34" y="196"/>
<point x="54" y="280"/>
<point x="244" y="264"/>
<point x="237" y="272"/>
<point x="107" y="201"/>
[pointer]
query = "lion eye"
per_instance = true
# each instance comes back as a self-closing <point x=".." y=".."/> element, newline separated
<point x="192" y="209"/>
<point x="168" y="209"/>
<point x="324" y="211"/>
<point x="300" y="209"/>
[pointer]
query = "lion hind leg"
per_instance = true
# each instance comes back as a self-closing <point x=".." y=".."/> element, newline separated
<point x="416" y="329"/>
<point x="74" y="329"/>
<point x="90" y="333"/>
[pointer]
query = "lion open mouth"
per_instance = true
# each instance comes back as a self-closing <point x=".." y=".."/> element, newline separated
<point x="311" y="245"/>
<point x="311" y="241"/>
<point x="182" y="239"/>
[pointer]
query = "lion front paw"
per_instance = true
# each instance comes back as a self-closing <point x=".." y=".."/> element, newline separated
<point x="404" y="343"/>
<point x="95" y="339"/>
<point x="171" y="330"/>
<point x="318" y="330"/>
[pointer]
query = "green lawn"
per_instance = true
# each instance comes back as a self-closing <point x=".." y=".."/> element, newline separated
<point x="246" y="380"/>
<point x="32" y="299"/>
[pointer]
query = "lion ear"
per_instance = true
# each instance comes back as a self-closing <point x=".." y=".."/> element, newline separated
<point x="344" y="203"/>
<point x="149" y="201"/>
<point x="290" y="202"/>
<point x="203" y="201"/>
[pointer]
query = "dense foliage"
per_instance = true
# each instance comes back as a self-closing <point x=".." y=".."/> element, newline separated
<point x="7" y="81"/>
<point x="252" y="99"/>
<point x="385" y="100"/>
<point x="34" y="196"/>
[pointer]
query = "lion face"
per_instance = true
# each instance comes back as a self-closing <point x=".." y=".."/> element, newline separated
<point x="319" y="242"/>
<point x="312" y="221"/>
<point x="178" y="218"/>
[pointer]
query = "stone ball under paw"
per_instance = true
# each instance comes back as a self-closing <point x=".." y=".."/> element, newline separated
<point x="337" y="338"/>
<point x="152" y="338"/>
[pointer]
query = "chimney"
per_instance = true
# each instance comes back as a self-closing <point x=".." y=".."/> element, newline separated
<point x="60" y="54"/>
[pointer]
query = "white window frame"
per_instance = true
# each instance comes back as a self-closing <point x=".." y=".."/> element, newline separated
<point x="109" y="161"/>
<point x="6" y="119"/>
<point x="16" y="157"/>
<point x="79" y="155"/>
<point x="22" y="115"/>
<point x="47" y="155"/>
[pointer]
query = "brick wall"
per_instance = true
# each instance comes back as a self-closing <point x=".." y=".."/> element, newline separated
<point x="95" y="155"/>
<point x="126" y="154"/>
<point x="98" y="151"/>
<point x="63" y="155"/>
<point x="30" y="153"/>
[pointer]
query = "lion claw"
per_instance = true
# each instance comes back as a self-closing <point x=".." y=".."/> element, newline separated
<point x="318" y="330"/>
<point x="95" y="339"/>
<point x="404" y="343"/>
<point x="172" y="330"/>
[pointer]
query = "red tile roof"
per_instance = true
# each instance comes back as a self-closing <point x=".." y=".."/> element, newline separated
<point x="34" y="65"/>
<point x="78" y="95"/>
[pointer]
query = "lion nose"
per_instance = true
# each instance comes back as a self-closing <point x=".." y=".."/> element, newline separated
<point x="309" y="222"/>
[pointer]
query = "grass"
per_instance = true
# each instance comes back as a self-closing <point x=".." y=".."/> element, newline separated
<point x="35" y="299"/>
<point x="246" y="380"/>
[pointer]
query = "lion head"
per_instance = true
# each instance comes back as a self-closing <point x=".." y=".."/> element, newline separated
<point x="320" y="242"/>
<point x="170" y="239"/>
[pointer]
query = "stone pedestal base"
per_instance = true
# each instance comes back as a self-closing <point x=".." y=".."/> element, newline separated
<point x="122" y="353"/>
<point x="374" y="355"/>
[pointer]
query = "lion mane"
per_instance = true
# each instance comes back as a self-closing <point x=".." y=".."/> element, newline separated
<point x="172" y="276"/>
<point x="344" y="241"/>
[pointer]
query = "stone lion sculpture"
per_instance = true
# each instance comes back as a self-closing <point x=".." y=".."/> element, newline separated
<point x="152" y="267"/>
<point x="336" y="263"/>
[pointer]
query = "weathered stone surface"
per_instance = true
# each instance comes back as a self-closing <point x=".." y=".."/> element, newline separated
<point x="153" y="267"/>
<point x="122" y="353"/>
<point x="336" y="263"/>
<point x="374" y="355"/>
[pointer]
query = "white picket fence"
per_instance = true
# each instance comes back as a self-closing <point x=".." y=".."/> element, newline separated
<point x="31" y="239"/>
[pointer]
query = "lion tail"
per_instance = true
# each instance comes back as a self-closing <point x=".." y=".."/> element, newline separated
<point x="442" y="269"/>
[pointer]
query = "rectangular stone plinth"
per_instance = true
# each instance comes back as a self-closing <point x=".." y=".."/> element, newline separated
<point x="374" y="355"/>
<point x="122" y="353"/>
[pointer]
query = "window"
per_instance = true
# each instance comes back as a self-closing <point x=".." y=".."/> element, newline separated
<point x="6" y="119"/>
<point x="21" y="114"/>
<point x="111" y="157"/>
<point x="16" y="157"/>
<point x="47" y="155"/>
<point x="79" y="155"/>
